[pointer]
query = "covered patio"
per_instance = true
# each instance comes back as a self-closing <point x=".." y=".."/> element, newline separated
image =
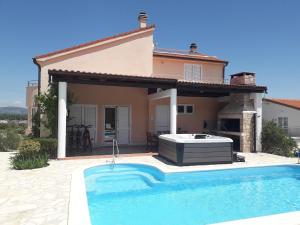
<point x="154" y="89"/>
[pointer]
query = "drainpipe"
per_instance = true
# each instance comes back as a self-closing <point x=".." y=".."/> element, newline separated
<point x="39" y="74"/>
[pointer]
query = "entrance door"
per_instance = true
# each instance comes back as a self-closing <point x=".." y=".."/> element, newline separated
<point x="123" y="125"/>
<point x="117" y="124"/>
<point x="162" y="118"/>
<point x="110" y="128"/>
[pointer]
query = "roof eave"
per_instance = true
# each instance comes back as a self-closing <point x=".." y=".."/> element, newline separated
<point x="186" y="57"/>
<point x="281" y="103"/>
<point x="75" y="48"/>
<point x="79" y="76"/>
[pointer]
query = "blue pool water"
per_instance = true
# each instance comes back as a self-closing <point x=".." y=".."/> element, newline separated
<point x="133" y="194"/>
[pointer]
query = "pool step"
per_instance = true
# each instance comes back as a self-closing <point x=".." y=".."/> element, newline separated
<point x="110" y="182"/>
<point x="123" y="175"/>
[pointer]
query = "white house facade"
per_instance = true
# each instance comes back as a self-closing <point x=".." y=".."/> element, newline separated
<point x="285" y="112"/>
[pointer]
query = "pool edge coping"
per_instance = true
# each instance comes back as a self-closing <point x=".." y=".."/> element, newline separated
<point x="79" y="210"/>
<point x="289" y="218"/>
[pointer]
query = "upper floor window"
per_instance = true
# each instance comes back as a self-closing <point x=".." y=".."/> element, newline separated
<point x="192" y="72"/>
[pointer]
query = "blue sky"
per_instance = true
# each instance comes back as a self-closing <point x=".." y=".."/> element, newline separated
<point x="258" y="36"/>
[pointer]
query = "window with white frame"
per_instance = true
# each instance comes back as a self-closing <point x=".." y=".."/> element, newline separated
<point x="185" y="109"/>
<point x="283" y="123"/>
<point x="192" y="72"/>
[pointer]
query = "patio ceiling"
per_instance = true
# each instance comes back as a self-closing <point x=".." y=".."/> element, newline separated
<point x="184" y="88"/>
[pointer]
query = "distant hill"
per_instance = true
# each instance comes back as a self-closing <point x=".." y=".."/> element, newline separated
<point x="13" y="110"/>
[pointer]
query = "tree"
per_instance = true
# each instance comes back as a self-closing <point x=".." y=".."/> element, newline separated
<point x="48" y="105"/>
<point x="275" y="141"/>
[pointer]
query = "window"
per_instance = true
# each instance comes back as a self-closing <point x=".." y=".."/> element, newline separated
<point x="192" y="72"/>
<point x="283" y="123"/>
<point x="185" y="109"/>
<point x="189" y="109"/>
<point x="180" y="109"/>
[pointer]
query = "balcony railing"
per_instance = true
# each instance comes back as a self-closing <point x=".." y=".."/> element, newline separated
<point x="31" y="83"/>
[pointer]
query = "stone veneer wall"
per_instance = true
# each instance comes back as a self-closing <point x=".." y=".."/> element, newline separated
<point x="241" y="106"/>
<point x="247" y="129"/>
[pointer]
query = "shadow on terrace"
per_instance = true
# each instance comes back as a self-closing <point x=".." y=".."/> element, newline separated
<point x="80" y="142"/>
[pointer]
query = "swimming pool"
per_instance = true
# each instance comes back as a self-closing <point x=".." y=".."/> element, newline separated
<point x="135" y="194"/>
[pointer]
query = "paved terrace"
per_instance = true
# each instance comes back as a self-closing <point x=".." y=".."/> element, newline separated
<point x="41" y="196"/>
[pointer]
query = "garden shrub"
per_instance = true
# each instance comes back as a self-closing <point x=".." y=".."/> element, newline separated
<point x="3" y="147"/>
<point x="29" y="145"/>
<point x="29" y="160"/>
<point x="48" y="103"/>
<point x="9" y="140"/>
<point x="20" y="129"/>
<point x="13" y="139"/>
<point x="275" y="141"/>
<point x="29" y="156"/>
<point x="49" y="146"/>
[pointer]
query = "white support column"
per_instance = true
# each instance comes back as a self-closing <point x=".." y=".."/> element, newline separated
<point x="173" y="111"/>
<point x="258" y="109"/>
<point x="62" y="119"/>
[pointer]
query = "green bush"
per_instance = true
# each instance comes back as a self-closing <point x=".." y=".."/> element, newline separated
<point x="30" y="146"/>
<point x="275" y="141"/>
<point x="9" y="140"/>
<point x="49" y="146"/>
<point x="18" y="128"/>
<point x="4" y="126"/>
<point x="3" y="146"/>
<point x="29" y="156"/>
<point x="13" y="139"/>
<point x="29" y="159"/>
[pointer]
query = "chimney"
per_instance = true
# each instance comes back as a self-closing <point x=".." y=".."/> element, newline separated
<point x="142" y="18"/>
<point x="243" y="78"/>
<point x="193" y="48"/>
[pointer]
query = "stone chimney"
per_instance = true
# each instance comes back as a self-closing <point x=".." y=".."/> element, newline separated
<point x="243" y="78"/>
<point x="142" y="18"/>
<point x="193" y="48"/>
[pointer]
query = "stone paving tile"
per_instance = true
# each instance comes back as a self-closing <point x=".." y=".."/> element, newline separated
<point x="41" y="196"/>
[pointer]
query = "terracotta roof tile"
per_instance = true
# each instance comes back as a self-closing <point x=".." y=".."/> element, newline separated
<point x="93" y="42"/>
<point x="293" y="103"/>
<point x="177" y="82"/>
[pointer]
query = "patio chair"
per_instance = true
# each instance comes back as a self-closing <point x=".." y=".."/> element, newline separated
<point x="152" y="141"/>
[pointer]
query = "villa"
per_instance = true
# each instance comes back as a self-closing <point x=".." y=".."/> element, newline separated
<point x="125" y="87"/>
<point x="127" y="92"/>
